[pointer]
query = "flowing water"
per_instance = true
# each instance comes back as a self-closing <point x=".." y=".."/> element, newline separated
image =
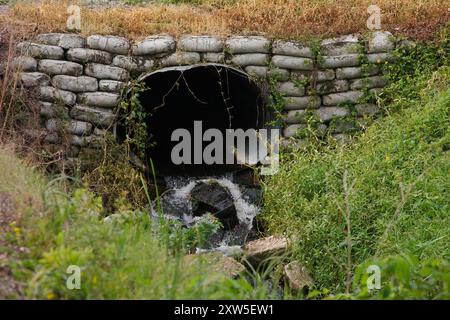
<point x="177" y="204"/>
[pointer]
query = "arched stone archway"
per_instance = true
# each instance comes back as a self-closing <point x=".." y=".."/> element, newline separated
<point x="204" y="96"/>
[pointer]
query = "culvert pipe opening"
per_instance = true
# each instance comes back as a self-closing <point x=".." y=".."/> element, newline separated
<point x="181" y="105"/>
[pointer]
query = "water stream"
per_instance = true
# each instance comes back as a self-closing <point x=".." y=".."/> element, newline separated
<point x="177" y="203"/>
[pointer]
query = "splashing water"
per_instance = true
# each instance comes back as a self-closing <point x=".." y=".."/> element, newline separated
<point x="177" y="205"/>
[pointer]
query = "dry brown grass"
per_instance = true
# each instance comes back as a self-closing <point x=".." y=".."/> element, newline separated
<point x="278" y="18"/>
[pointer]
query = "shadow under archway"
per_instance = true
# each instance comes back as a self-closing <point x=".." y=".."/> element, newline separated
<point x="219" y="96"/>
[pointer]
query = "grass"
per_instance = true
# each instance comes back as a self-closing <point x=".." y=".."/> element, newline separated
<point x="280" y="18"/>
<point x="129" y="257"/>
<point x="384" y="194"/>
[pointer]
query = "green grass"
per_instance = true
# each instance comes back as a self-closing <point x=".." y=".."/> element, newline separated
<point x="389" y="187"/>
<point x="129" y="257"/>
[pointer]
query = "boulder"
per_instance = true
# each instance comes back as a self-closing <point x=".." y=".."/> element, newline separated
<point x="97" y="116"/>
<point x="89" y="55"/>
<point x="251" y="44"/>
<point x="112" y="44"/>
<point x="58" y="67"/>
<point x="326" y="114"/>
<point x="133" y="64"/>
<point x="250" y="59"/>
<point x="258" y="251"/>
<point x="350" y="60"/>
<point x="50" y="94"/>
<point x="180" y="58"/>
<point x="380" y="41"/>
<point x="342" y="97"/>
<point x="296" y="103"/>
<point x="75" y="84"/>
<point x="99" y="99"/>
<point x="217" y="263"/>
<point x="297" y="277"/>
<point x="217" y="200"/>
<point x="110" y="85"/>
<point x="154" y="45"/>
<point x="293" y="63"/>
<point x="40" y="51"/>
<point x="25" y="63"/>
<point x="63" y="40"/>
<point x="201" y="44"/>
<point x="32" y="79"/>
<point x="292" y="48"/>
<point x="101" y="71"/>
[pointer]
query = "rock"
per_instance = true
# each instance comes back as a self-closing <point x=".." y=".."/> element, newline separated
<point x="133" y="64"/>
<point x="297" y="276"/>
<point x="379" y="58"/>
<point x="250" y="59"/>
<point x="63" y="40"/>
<point x="380" y="41"/>
<point x="52" y="138"/>
<point x="74" y="127"/>
<point x="25" y="63"/>
<point x="344" y="125"/>
<point x="75" y="84"/>
<point x="252" y="44"/>
<point x="257" y="71"/>
<point x="32" y="79"/>
<point x="97" y="116"/>
<point x="293" y="130"/>
<point x="340" y="46"/>
<point x="50" y="94"/>
<point x="101" y="71"/>
<point x="213" y="57"/>
<point x="154" y="45"/>
<point x="51" y="110"/>
<point x="216" y="263"/>
<point x="279" y="74"/>
<point x="180" y="58"/>
<point x="200" y="44"/>
<point x="320" y="75"/>
<point x="258" y="251"/>
<point x="342" y="138"/>
<point x="89" y="55"/>
<point x="291" y="89"/>
<point x="110" y="85"/>
<point x="332" y="86"/>
<point x="99" y="99"/>
<point x="350" y="60"/>
<point x="367" y="109"/>
<point x="56" y="67"/>
<point x="215" y="199"/>
<point x="294" y="117"/>
<point x="295" y="103"/>
<point x="326" y="114"/>
<point x="292" y="48"/>
<point x="293" y="63"/>
<point x="342" y="97"/>
<point x="355" y="72"/>
<point x="112" y="44"/>
<point x="40" y="51"/>
<point x="91" y="141"/>
<point x="369" y="82"/>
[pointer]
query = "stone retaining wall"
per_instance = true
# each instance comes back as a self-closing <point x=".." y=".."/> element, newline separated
<point x="79" y="79"/>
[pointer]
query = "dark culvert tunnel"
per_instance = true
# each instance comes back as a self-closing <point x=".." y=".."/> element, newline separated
<point x="219" y="96"/>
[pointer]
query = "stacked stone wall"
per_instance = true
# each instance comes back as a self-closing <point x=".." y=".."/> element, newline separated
<point x="79" y="80"/>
